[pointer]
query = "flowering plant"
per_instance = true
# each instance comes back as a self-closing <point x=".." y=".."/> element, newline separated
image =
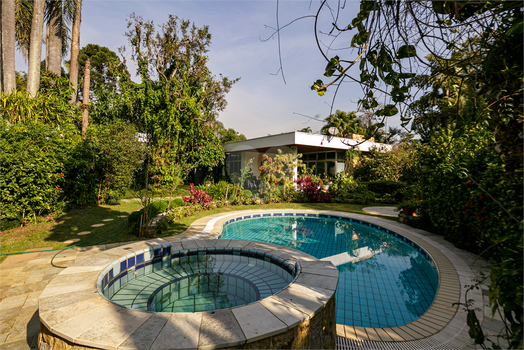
<point x="198" y="197"/>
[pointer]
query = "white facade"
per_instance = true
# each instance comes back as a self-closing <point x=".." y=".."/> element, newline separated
<point x="325" y="152"/>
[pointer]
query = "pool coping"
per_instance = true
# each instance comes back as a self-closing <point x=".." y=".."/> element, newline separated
<point x="71" y="307"/>
<point x="443" y="324"/>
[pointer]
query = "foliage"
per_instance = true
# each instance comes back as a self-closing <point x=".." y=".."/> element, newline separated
<point x="467" y="196"/>
<point x="363" y="195"/>
<point x="347" y="123"/>
<point x="384" y="187"/>
<point x="177" y="100"/>
<point x="199" y="197"/>
<point x="226" y="135"/>
<point x="106" y="71"/>
<point x="219" y="190"/>
<point x="342" y="187"/>
<point x="311" y="187"/>
<point x="276" y="171"/>
<point x="247" y="193"/>
<point x="49" y="105"/>
<point x="378" y="164"/>
<point x="34" y="168"/>
<point x="477" y="48"/>
<point x="111" y="154"/>
<point x="154" y="208"/>
<point x="177" y="202"/>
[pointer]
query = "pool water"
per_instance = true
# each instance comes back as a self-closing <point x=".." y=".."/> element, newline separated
<point x="197" y="280"/>
<point x="385" y="280"/>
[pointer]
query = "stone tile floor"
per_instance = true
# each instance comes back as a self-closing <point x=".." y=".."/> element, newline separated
<point x="24" y="277"/>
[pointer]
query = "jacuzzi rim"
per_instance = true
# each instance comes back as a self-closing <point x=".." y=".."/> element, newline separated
<point x="295" y="273"/>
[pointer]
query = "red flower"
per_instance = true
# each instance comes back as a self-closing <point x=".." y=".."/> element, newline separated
<point x="469" y="181"/>
<point x="481" y="196"/>
<point x="61" y="174"/>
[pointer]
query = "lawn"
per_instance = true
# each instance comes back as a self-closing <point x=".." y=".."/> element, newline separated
<point x="54" y="233"/>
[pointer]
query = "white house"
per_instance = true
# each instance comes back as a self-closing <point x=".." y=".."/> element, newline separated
<point x="324" y="153"/>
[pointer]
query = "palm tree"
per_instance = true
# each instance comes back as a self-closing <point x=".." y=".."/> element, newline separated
<point x="59" y="14"/>
<point x="23" y="19"/>
<point x="346" y="124"/>
<point x="75" y="49"/>
<point x="35" y="48"/>
<point x="8" y="77"/>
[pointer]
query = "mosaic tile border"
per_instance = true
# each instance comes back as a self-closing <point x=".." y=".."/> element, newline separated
<point x="116" y="275"/>
<point x="72" y="310"/>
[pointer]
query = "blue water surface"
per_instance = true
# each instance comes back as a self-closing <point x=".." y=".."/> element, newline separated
<point x="383" y="281"/>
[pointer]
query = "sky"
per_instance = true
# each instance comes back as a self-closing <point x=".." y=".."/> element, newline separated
<point x="260" y="103"/>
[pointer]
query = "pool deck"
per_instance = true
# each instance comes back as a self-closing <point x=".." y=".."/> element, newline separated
<point x="23" y="278"/>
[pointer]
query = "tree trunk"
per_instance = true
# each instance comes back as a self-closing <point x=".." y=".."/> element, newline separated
<point x="75" y="49"/>
<point x="8" y="77"/>
<point x="54" y="41"/>
<point x="35" y="48"/>
<point x="85" y="104"/>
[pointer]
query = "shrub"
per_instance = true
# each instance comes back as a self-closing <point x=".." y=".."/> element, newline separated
<point x="247" y="193"/>
<point x="342" y="188"/>
<point x="197" y="196"/>
<point x="34" y="173"/>
<point x="177" y="202"/>
<point x="311" y="186"/>
<point x="155" y="208"/>
<point x="384" y="187"/>
<point x="363" y="195"/>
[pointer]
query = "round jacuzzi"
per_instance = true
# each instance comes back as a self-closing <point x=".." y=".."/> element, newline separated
<point x="191" y="294"/>
<point x="161" y="280"/>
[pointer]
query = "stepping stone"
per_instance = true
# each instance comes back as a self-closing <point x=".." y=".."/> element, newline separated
<point x="97" y="225"/>
<point x="72" y="240"/>
<point x="83" y="233"/>
<point x="123" y="216"/>
<point x="108" y="220"/>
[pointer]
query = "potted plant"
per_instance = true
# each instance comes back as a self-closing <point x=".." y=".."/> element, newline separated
<point x="410" y="201"/>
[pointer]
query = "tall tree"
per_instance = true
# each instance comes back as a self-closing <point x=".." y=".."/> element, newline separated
<point x="75" y="48"/>
<point x="8" y="78"/>
<point x="54" y="37"/>
<point x="392" y="40"/>
<point x="178" y="97"/>
<point x="347" y="123"/>
<point x="35" y="48"/>
<point x="23" y="19"/>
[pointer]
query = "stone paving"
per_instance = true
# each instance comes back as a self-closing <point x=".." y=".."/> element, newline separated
<point x="24" y="277"/>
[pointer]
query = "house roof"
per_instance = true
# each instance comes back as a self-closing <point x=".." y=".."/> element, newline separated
<point x="304" y="141"/>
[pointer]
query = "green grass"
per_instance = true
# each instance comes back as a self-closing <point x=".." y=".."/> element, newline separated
<point x="54" y="233"/>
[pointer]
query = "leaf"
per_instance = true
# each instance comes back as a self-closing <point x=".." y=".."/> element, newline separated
<point x="332" y="66"/>
<point x="515" y="28"/>
<point x="406" y="51"/>
<point x="318" y="87"/>
<point x="442" y="7"/>
<point x="388" y="111"/>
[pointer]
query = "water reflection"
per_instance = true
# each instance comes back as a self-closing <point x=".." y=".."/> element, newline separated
<point x="383" y="281"/>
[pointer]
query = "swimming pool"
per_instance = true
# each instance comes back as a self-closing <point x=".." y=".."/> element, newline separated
<point x="385" y="279"/>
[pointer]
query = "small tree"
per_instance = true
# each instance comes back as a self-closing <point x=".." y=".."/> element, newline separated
<point x="278" y="171"/>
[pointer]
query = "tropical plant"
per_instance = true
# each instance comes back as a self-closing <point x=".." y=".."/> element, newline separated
<point x="35" y="48"/>
<point x="276" y="171"/>
<point x="7" y="68"/>
<point x="197" y="197"/>
<point x="312" y="188"/>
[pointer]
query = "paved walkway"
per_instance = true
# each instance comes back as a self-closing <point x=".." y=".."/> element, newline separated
<point x="24" y="277"/>
<point x="382" y="211"/>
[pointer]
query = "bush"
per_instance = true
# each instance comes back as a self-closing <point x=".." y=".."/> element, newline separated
<point x="363" y="195"/>
<point x="155" y="208"/>
<point x="197" y="196"/>
<point x="247" y="193"/>
<point x="177" y="202"/>
<point x="34" y="173"/>
<point x="342" y="188"/>
<point x="311" y="187"/>
<point x="384" y="187"/>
